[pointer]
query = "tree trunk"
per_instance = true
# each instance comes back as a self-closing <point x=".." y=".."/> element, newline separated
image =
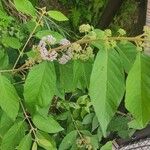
<point x="110" y="11"/>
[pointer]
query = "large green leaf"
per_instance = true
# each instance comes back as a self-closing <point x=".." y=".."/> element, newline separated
<point x="81" y="73"/>
<point x="46" y="123"/>
<point x="106" y="86"/>
<point x="127" y="52"/>
<point x="66" y="76"/>
<point x="68" y="140"/>
<point x="25" y="6"/>
<point x="25" y="143"/>
<point x="13" y="136"/>
<point x="57" y="15"/>
<point x="9" y="100"/>
<point x="40" y="85"/>
<point x="137" y="99"/>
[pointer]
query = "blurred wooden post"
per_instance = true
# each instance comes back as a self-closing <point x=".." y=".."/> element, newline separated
<point x="147" y="47"/>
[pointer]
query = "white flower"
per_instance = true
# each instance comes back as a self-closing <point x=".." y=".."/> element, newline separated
<point x="52" y="56"/>
<point x="50" y="39"/>
<point x="64" y="42"/>
<point x="64" y="59"/>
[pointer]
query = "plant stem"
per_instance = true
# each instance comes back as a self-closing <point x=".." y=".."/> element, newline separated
<point x="28" y="120"/>
<point x="30" y="36"/>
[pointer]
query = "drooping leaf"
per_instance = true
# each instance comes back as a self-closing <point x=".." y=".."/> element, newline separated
<point x="45" y="141"/>
<point x="137" y="99"/>
<point x="107" y="146"/>
<point x="106" y="86"/>
<point x="81" y="74"/>
<point x="12" y="42"/>
<point x="13" y="136"/>
<point x="127" y="52"/>
<point x="4" y="61"/>
<point x="25" y="143"/>
<point x="9" y="100"/>
<point x="46" y="123"/>
<point x="25" y="6"/>
<point x="40" y="85"/>
<point x="66" y="76"/>
<point x="57" y="15"/>
<point x="68" y="140"/>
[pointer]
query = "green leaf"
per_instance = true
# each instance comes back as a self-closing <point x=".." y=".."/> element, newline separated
<point x="40" y="85"/>
<point x="66" y="76"/>
<point x="68" y="140"/>
<point x="107" y="146"/>
<point x="45" y="141"/>
<point x="34" y="146"/>
<point x="137" y="99"/>
<point x="46" y="123"/>
<point x="9" y="100"/>
<point x="43" y="33"/>
<point x="106" y="86"/>
<point x="25" y="6"/>
<point x="127" y="52"/>
<point x="25" y="143"/>
<point x="11" y="42"/>
<point x="57" y="15"/>
<point x="81" y="74"/>
<point x="4" y="60"/>
<point x="88" y="118"/>
<point x="5" y="123"/>
<point x="13" y="136"/>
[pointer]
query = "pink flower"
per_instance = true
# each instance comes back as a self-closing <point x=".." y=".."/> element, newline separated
<point x="64" y="42"/>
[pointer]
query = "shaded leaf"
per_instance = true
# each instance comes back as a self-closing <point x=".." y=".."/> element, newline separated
<point x="13" y="136"/>
<point x="107" y="146"/>
<point x="137" y="99"/>
<point x="9" y="100"/>
<point x="68" y="140"/>
<point x="127" y="52"/>
<point x="4" y="60"/>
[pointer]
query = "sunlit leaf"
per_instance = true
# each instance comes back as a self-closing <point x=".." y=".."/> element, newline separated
<point x="106" y="86"/>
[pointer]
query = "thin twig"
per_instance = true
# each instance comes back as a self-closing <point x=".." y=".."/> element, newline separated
<point x="27" y="118"/>
<point x="30" y="36"/>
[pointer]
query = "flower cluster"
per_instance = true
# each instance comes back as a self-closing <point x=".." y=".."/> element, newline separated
<point x="84" y="142"/>
<point x="85" y="28"/>
<point x="47" y="53"/>
<point x="72" y="51"/>
<point x="42" y="47"/>
<point x="79" y="53"/>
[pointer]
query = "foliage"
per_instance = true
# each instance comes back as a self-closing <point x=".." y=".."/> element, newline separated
<point x="84" y="10"/>
<point x="57" y="94"/>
